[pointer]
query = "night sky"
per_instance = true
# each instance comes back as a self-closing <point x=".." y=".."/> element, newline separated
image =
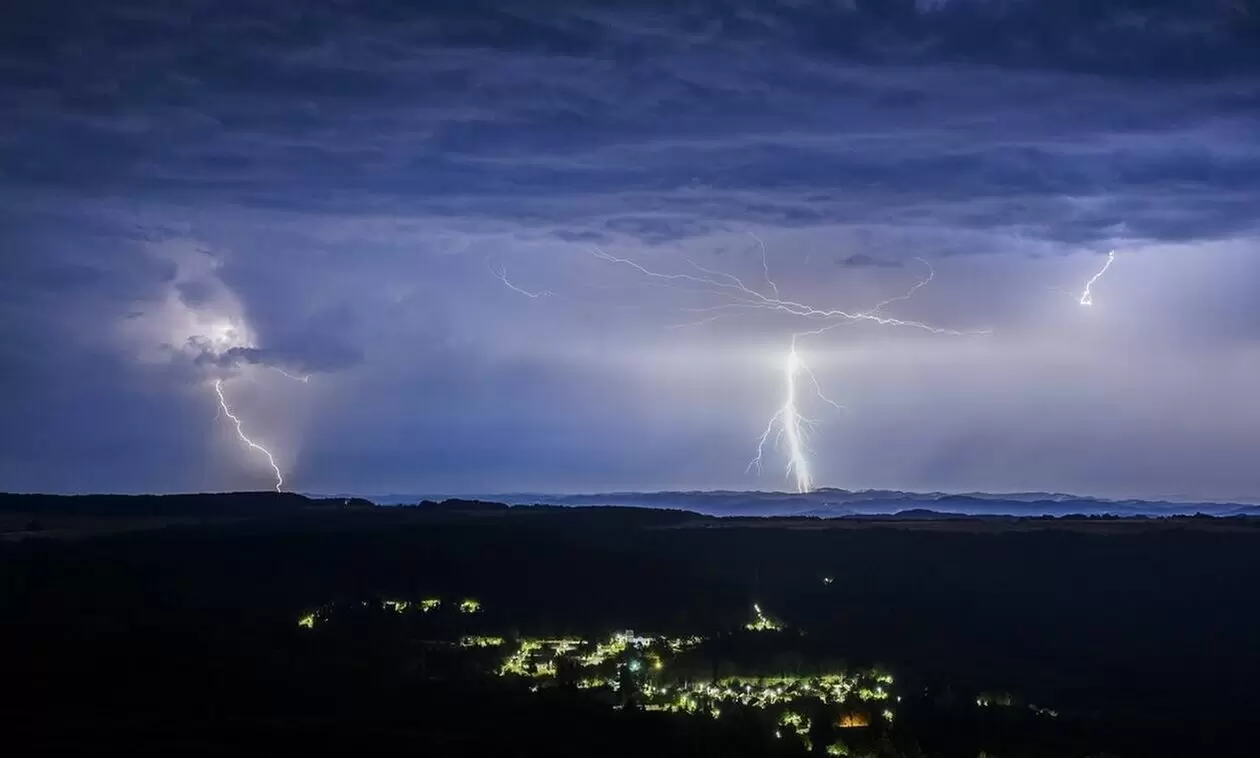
<point x="372" y="196"/>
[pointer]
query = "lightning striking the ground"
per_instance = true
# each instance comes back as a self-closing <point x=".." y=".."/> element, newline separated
<point x="240" y="432"/>
<point x="1087" y="297"/>
<point x="736" y="298"/>
<point x="792" y="425"/>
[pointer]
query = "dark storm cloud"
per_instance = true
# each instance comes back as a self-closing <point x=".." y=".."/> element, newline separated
<point x="590" y="118"/>
<point x="861" y="260"/>
<point x="352" y="173"/>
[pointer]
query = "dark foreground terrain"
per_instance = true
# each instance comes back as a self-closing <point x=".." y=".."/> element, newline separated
<point x="241" y="624"/>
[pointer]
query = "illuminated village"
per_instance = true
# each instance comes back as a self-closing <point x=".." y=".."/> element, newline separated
<point x="656" y="672"/>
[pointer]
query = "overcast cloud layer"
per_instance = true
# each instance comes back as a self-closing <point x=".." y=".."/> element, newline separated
<point x="402" y="206"/>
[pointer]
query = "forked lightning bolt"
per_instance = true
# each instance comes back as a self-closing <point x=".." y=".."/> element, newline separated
<point x="737" y="298"/>
<point x="792" y="424"/>
<point x="240" y="432"/>
<point x="1087" y="297"/>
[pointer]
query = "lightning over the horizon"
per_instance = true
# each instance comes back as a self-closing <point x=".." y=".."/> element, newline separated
<point x="1087" y="297"/>
<point x="792" y="423"/>
<point x="240" y="432"/>
<point x="739" y="298"/>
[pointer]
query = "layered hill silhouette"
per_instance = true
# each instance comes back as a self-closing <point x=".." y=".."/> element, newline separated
<point x="837" y="503"/>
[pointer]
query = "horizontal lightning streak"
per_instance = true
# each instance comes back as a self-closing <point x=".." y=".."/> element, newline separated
<point x="743" y="297"/>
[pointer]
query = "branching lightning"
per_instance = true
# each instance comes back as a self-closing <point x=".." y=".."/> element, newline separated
<point x="737" y="298"/>
<point x="741" y="298"/>
<point x="240" y="432"/>
<point x="793" y="426"/>
<point x="1087" y="297"/>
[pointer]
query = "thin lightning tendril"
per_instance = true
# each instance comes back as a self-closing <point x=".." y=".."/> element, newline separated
<point x="240" y="432"/>
<point x="501" y="275"/>
<point x="738" y="298"/>
<point x="1087" y="297"/>
<point x="931" y="274"/>
<point x="743" y="298"/>
<point x="304" y="379"/>
<point x="765" y="265"/>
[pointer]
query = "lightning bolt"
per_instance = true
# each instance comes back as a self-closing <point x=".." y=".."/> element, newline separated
<point x="765" y="265"/>
<point x="305" y="379"/>
<point x="1087" y="297"/>
<point x="793" y="426"/>
<point x="741" y="298"/>
<point x="736" y="298"/>
<point x="501" y="275"/>
<point x="931" y="274"/>
<point x="240" y="432"/>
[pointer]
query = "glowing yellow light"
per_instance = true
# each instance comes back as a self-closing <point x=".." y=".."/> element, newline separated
<point x="468" y="605"/>
<point x="762" y="622"/>
<point x="307" y="621"/>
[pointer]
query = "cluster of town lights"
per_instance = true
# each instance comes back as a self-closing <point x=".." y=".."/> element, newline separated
<point x="642" y="662"/>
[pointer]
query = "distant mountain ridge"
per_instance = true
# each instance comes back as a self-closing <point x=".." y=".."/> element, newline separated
<point x="837" y="503"/>
<point x="827" y="503"/>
